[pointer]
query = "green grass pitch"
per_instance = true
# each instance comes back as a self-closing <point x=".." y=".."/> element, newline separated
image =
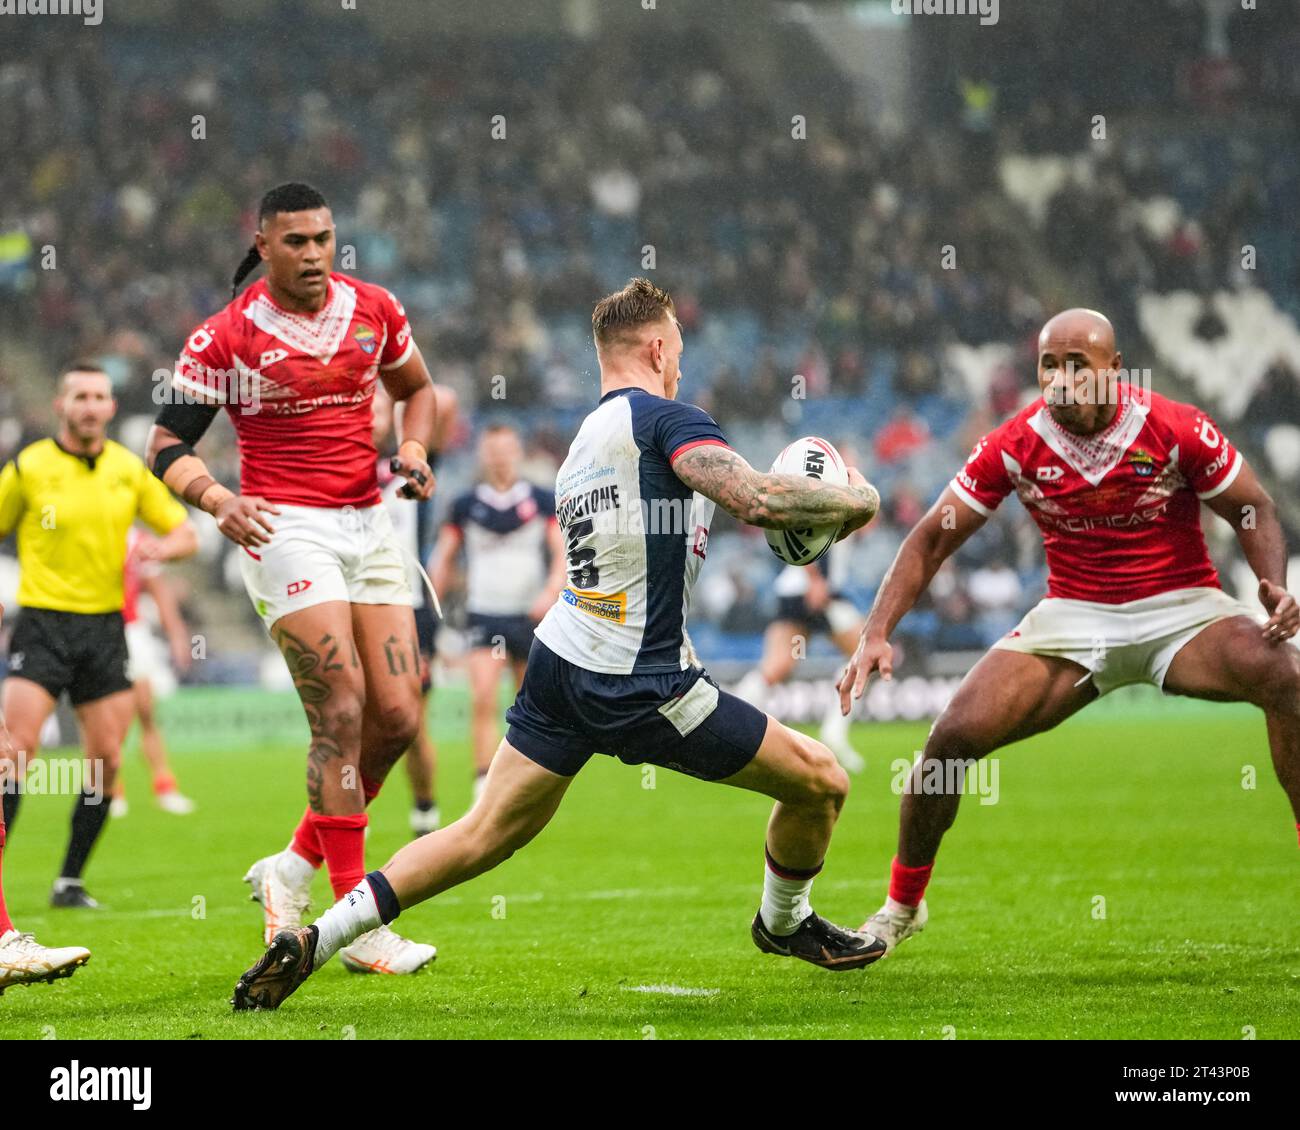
<point x="629" y="917"/>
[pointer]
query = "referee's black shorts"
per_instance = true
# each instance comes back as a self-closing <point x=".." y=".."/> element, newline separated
<point x="81" y="653"/>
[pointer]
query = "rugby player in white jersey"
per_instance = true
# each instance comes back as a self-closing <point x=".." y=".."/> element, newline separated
<point x="409" y="524"/>
<point x="810" y="599"/>
<point x="1114" y="475"/>
<point x="507" y="529"/>
<point x="612" y="670"/>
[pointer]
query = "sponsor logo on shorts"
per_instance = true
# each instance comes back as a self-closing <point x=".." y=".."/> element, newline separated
<point x="612" y="608"/>
<point x="700" y="547"/>
<point x="295" y="587"/>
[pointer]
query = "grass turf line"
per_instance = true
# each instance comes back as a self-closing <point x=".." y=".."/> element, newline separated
<point x="634" y="886"/>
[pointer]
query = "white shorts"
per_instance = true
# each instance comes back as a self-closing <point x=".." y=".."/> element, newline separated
<point x="319" y="553"/>
<point x="148" y="658"/>
<point x="1125" y="643"/>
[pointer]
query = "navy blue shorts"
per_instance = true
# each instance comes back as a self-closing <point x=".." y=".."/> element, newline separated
<point x="426" y="635"/>
<point x="515" y="632"/>
<point x="679" y="720"/>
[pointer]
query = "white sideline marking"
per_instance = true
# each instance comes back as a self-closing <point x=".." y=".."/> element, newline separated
<point x="671" y="990"/>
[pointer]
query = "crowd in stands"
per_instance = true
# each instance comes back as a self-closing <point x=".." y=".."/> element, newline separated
<point x="822" y="280"/>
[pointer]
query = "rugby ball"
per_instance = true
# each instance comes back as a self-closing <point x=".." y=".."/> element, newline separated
<point x="814" y="458"/>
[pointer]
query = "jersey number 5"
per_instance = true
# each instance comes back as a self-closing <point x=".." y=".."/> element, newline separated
<point x="582" y="573"/>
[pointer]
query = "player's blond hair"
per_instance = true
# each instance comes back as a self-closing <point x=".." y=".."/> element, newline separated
<point x="638" y="304"/>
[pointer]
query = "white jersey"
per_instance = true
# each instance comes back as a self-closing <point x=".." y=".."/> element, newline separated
<point x="793" y="579"/>
<point x="635" y="536"/>
<point x="504" y="533"/>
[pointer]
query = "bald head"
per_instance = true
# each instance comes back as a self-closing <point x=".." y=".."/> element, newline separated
<point x="1085" y="330"/>
<point x="1077" y="369"/>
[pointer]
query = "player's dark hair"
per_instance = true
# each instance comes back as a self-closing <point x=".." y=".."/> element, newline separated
<point x="81" y="365"/>
<point x="290" y="197"/>
<point x="637" y="304"/>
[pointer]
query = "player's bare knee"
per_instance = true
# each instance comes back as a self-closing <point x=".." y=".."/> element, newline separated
<point x="1277" y="689"/>
<point x="950" y="740"/>
<point x="340" y="718"/>
<point x="822" y="780"/>
<point x="398" y="724"/>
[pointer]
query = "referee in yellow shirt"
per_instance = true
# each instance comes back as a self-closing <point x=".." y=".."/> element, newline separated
<point x="72" y="499"/>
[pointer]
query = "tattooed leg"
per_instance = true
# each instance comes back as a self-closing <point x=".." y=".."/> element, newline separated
<point x="318" y="647"/>
<point x="390" y="656"/>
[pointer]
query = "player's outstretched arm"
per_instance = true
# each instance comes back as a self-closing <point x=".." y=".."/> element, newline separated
<point x="775" y="502"/>
<point x="934" y="539"/>
<point x="1249" y="509"/>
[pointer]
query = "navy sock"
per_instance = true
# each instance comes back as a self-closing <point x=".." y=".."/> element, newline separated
<point x="385" y="899"/>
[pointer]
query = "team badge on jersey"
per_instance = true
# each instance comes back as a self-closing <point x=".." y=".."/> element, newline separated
<point x="526" y="510"/>
<point x="1143" y="462"/>
<point x="365" y="337"/>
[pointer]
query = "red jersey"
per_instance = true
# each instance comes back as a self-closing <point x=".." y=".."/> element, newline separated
<point x="1120" y="511"/>
<point x="133" y="572"/>
<point x="299" y="388"/>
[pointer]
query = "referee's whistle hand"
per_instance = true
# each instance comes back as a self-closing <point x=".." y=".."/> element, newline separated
<point x="242" y="518"/>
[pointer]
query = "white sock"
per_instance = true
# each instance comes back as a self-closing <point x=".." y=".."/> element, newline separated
<point x="753" y="689"/>
<point x="785" y="902"/>
<point x="356" y="913"/>
<point x="893" y="906"/>
<point x="293" y="869"/>
<point x="480" y="779"/>
<point x="835" y="726"/>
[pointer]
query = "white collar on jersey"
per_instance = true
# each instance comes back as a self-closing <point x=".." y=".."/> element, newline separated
<point x="504" y="499"/>
<point x="318" y="335"/>
<point x="1095" y="456"/>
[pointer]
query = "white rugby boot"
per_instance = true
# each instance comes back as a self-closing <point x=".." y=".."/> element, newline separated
<point x="896" y="922"/>
<point x="382" y="951"/>
<point x="23" y="960"/>
<point x="175" y="803"/>
<point x="282" y="891"/>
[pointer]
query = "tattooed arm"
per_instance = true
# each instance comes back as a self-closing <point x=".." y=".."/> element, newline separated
<point x="775" y="502"/>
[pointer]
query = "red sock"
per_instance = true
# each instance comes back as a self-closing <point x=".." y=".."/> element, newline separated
<point x="5" y="924"/>
<point x="306" y="842"/>
<point x="343" y="840"/>
<point x="907" y="884"/>
<point x="164" y="783"/>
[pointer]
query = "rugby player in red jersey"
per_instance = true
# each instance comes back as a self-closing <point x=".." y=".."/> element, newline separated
<point x="295" y="360"/>
<point x="1114" y="476"/>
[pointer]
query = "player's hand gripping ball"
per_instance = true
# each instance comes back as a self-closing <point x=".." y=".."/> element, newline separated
<point x="816" y="459"/>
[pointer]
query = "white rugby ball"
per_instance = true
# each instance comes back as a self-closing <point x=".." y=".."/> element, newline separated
<point x="816" y="459"/>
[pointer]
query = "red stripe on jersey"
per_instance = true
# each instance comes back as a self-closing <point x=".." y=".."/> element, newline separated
<point x="697" y="443"/>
